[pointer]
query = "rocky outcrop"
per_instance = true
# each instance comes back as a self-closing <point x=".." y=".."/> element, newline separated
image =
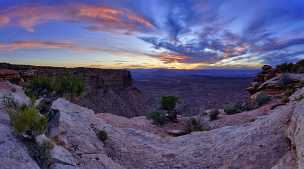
<point x="13" y="154"/>
<point x="106" y="90"/>
<point x="259" y="144"/>
<point x="77" y="127"/>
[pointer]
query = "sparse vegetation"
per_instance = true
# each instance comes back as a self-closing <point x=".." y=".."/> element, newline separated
<point x="40" y="153"/>
<point x="193" y="125"/>
<point x="29" y="123"/>
<point x="233" y="108"/>
<point x="168" y="102"/>
<point x="213" y="114"/>
<point x="102" y="135"/>
<point x="301" y="97"/>
<point x="67" y="84"/>
<point x="167" y="111"/>
<point x="291" y="68"/>
<point x="285" y="99"/>
<point x="285" y="80"/>
<point x="25" y="119"/>
<point x="262" y="99"/>
<point x="158" y="117"/>
<point x="289" y="91"/>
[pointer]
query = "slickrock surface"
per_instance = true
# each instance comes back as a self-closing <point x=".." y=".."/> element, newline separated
<point x="13" y="154"/>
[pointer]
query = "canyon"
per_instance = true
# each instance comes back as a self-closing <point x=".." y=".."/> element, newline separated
<point x="265" y="137"/>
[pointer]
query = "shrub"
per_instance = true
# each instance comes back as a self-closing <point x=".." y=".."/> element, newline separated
<point x="69" y="84"/>
<point x="285" y="99"/>
<point x="157" y="117"/>
<point x="289" y="91"/>
<point x="301" y="97"/>
<point x="213" y="114"/>
<point x="102" y="135"/>
<point x="168" y="102"/>
<point x="233" y="108"/>
<point x="285" y="67"/>
<point x="39" y="85"/>
<point x="60" y="85"/>
<point x="193" y="125"/>
<point x="299" y="67"/>
<point x="285" y="80"/>
<point x="27" y="120"/>
<point x="262" y="99"/>
<point x="40" y="153"/>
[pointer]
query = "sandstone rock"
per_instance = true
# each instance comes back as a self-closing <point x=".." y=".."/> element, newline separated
<point x="257" y="144"/>
<point x="267" y="69"/>
<point x="176" y="133"/>
<point x="296" y="134"/>
<point x="77" y="126"/>
<point x="9" y="74"/>
<point x="62" y="156"/>
<point x="14" y="92"/>
<point x="13" y="154"/>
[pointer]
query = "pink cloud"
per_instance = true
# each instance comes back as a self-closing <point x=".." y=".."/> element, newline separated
<point x="96" y="17"/>
<point x="4" y="20"/>
<point x="36" y="44"/>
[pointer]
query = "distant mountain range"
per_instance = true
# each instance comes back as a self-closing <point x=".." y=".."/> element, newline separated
<point x="151" y="73"/>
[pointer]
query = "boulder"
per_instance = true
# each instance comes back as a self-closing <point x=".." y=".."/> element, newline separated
<point x="267" y="69"/>
<point x="61" y="156"/>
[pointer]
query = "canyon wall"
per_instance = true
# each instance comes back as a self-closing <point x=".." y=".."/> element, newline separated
<point x="106" y="90"/>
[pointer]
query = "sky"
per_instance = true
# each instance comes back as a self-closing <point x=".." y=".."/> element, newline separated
<point x="173" y="34"/>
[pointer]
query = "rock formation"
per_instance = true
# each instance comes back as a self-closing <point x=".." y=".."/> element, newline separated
<point x="106" y="91"/>
<point x="13" y="154"/>
<point x="270" y="137"/>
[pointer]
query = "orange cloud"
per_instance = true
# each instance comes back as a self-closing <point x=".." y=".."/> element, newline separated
<point x="96" y="17"/>
<point x="166" y="57"/>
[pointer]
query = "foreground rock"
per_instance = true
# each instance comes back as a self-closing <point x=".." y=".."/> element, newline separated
<point x="13" y="154"/>
<point x="260" y="144"/>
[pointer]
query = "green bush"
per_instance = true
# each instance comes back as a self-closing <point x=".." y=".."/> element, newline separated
<point x="168" y="102"/>
<point x="27" y="120"/>
<point x="233" y="108"/>
<point x="193" y="125"/>
<point x="67" y="84"/>
<point x="102" y="135"/>
<point x="262" y="99"/>
<point x="157" y="117"/>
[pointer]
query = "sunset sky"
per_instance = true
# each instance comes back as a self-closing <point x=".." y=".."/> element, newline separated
<point x="181" y="34"/>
